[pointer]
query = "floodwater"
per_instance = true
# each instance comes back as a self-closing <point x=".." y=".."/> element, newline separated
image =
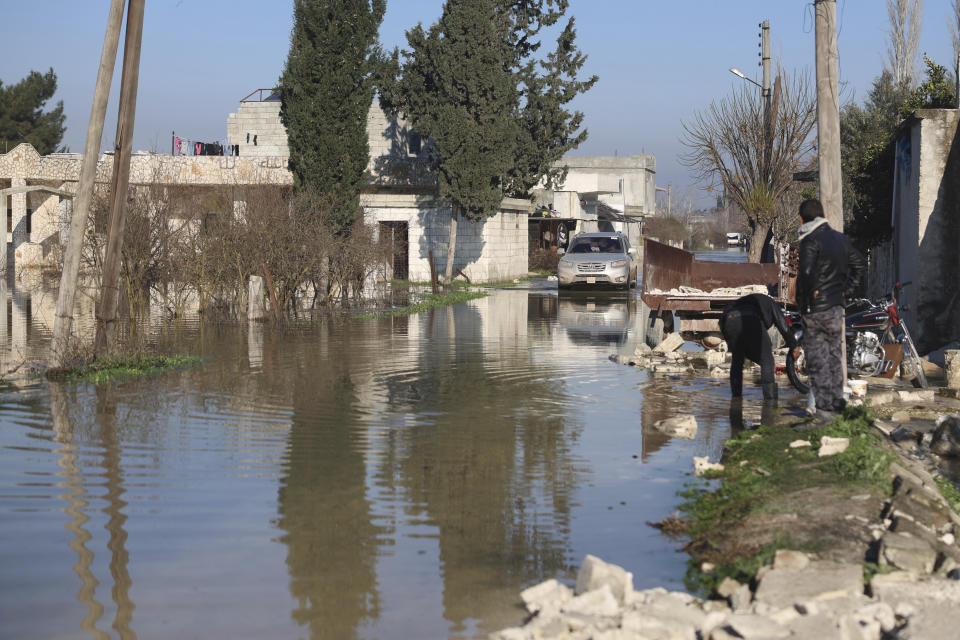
<point x="393" y="478"/>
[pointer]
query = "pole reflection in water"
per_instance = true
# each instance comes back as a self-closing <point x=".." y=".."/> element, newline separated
<point x="119" y="557"/>
<point x="76" y="497"/>
<point x="106" y="410"/>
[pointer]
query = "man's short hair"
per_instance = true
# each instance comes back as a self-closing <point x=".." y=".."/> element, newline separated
<point x="810" y="210"/>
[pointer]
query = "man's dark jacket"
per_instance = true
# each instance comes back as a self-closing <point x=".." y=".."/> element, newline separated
<point x="831" y="270"/>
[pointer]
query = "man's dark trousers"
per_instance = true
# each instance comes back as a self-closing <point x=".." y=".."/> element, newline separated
<point x="822" y="343"/>
<point x="746" y="336"/>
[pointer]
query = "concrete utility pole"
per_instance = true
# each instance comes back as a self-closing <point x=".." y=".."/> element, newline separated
<point x="828" y="112"/>
<point x="63" y="320"/>
<point x="110" y="290"/>
<point x="765" y="63"/>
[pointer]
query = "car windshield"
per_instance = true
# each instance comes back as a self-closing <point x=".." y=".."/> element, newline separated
<point x="597" y="245"/>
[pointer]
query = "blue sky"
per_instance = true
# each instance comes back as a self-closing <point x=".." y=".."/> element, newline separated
<point x="658" y="62"/>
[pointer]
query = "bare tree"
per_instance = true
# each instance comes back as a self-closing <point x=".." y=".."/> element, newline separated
<point x="731" y="143"/>
<point x="906" y="20"/>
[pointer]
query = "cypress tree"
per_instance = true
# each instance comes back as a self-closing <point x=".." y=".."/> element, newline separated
<point x="548" y="129"/>
<point x="456" y="87"/>
<point x="326" y="90"/>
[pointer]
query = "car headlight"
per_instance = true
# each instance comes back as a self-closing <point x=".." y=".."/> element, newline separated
<point x="618" y="263"/>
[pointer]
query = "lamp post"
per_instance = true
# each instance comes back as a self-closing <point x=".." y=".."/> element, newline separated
<point x="741" y="74"/>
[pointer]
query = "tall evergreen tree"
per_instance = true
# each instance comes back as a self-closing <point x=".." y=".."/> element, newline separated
<point x="457" y="88"/>
<point x="326" y="90"/>
<point x="22" y="118"/>
<point x="548" y="129"/>
<point x="496" y="111"/>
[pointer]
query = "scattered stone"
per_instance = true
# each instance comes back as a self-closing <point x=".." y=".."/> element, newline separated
<point x="550" y="279"/>
<point x="680" y="426"/>
<point x="797" y="444"/>
<point x="595" y="573"/>
<point x="832" y="446"/>
<point x="669" y="369"/>
<point x="671" y="342"/>
<point x="720" y="372"/>
<point x="702" y="464"/>
<point x="917" y="395"/>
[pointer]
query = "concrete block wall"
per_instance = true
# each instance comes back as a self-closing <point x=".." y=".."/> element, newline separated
<point x="494" y="250"/>
<point x="260" y="120"/>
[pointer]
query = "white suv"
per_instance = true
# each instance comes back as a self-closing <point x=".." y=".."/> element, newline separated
<point x="598" y="259"/>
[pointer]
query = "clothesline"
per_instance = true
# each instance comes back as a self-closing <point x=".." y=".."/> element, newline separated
<point x="181" y="146"/>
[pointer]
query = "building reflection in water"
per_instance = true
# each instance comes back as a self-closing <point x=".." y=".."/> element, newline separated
<point x="451" y="420"/>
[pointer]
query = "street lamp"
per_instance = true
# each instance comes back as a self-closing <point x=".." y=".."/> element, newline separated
<point x="740" y="74"/>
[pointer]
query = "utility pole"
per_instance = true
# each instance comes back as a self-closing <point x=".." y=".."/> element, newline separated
<point x="63" y="320"/>
<point x="110" y="289"/>
<point x="765" y="63"/>
<point x="828" y="112"/>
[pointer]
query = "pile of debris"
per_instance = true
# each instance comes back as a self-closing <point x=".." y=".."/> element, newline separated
<point x="667" y="359"/>
<point x="796" y="596"/>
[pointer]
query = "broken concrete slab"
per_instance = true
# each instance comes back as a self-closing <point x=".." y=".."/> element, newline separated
<point x="549" y="594"/>
<point x="785" y="587"/>
<point x="595" y="573"/>
<point x="932" y="604"/>
<point x="599" y="602"/>
<point x="906" y="552"/>
<point x="671" y="342"/>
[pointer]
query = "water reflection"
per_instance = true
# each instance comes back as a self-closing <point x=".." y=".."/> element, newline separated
<point x="77" y="497"/>
<point x="590" y="319"/>
<point x="392" y="478"/>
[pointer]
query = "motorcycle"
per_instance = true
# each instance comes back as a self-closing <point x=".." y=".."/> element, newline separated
<point x="870" y="326"/>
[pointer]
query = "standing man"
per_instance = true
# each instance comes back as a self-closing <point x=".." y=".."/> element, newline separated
<point x="831" y="271"/>
<point x="745" y="325"/>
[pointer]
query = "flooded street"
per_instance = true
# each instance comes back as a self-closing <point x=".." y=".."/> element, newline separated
<point x="396" y="478"/>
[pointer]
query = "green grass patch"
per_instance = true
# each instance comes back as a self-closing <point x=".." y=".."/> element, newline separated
<point x="111" y="368"/>
<point x="950" y="492"/>
<point x="429" y="301"/>
<point x="761" y="474"/>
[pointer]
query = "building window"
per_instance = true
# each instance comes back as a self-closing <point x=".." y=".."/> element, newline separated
<point x="415" y="143"/>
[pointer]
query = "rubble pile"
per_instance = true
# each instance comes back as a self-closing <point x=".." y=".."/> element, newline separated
<point x="667" y="359"/>
<point x="797" y="596"/>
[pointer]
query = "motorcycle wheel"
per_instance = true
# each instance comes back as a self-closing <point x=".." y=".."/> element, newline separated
<point x="797" y="372"/>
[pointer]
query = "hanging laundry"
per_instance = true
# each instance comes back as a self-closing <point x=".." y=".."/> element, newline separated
<point x="179" y="145"/>
<point x="198" y="149"/>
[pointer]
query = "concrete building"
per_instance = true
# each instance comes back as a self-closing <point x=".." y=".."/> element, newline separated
<point x="925" y="247"/>
<point x="604" y="193"/>
<point x="400" y="197"/>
